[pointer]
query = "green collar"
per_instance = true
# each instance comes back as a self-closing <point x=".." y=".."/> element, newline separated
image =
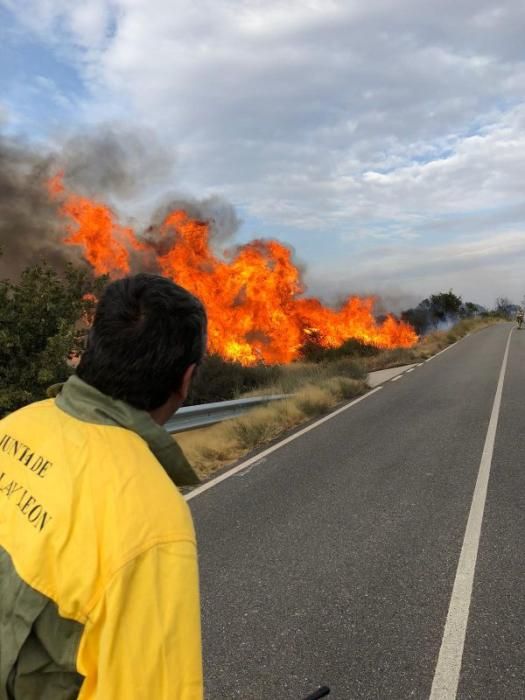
<point x="86" y="403"/>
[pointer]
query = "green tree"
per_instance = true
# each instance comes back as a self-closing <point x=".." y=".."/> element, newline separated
<point x="445" y="306"/>
<point x="433" y="312"/>
<point x="470" y="310"/>
<point x="419" y="317"/>
<point x="43" y="318"/>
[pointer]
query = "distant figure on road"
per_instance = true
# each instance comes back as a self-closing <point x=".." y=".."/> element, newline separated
<point x="98" y="567"/>
<point x="519" y="317"/>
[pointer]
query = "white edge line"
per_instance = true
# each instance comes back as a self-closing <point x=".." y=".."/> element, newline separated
<point x="273" y="448"/>
<point x="442" y="351"/>
<point x="447" y="348"/>
<point x="410" y="370"/>
<point x="395" y="379"/>
<point x="448" y="668"/>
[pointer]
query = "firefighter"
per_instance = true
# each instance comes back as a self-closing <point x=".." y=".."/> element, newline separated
<point x="98" y="565"/>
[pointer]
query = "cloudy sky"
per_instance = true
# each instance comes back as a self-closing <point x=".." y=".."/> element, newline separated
<point x="384" y="140"/>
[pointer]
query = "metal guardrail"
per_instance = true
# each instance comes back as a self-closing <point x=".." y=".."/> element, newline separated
<point x="202" y="415"/>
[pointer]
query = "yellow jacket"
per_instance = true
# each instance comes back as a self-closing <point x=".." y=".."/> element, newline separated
<point x="98" y="567"/>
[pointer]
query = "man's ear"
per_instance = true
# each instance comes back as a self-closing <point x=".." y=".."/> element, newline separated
<point x="186" y="382"/>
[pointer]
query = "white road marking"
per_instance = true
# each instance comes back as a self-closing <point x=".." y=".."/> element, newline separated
<point x="410" y="370"/>
<point x="259" y="457"/>
<point x="396" y="379"/>
<point x="446" y="677"/>
<point x="447" y="348"/>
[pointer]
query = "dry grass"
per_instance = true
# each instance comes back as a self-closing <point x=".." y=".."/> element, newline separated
<point x="314" y="400"/>
<point x="316" y="388"/>
<point x="211" y="448"/>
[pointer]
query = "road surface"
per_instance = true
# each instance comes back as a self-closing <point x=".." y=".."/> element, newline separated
<point x="333" y="560"/>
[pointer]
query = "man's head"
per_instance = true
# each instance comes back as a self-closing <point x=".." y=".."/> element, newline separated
<point x="147" y="337"/>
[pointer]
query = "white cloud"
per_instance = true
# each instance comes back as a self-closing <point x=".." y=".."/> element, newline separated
<point x="483" y="171"/>
<point x="4" y="115"/>
<point x="480" y="269"/>
<point x="85" y="23"/>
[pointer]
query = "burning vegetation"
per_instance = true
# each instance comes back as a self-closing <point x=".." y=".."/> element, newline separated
<point x="254" y="295"/>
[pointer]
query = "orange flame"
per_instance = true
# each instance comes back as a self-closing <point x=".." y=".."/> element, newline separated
<point x="253" y="298"/>
<point x="106" y="244"/>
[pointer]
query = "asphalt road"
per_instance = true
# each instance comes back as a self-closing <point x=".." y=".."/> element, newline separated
<point x="333" y="559"/>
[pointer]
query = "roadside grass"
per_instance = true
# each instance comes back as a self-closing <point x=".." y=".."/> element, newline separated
<point x="316" y="388"/>
<point x="210" y="449"/>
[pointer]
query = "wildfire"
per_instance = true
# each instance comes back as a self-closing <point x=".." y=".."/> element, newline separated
<point x="254" y="297"/>
<point x="105" y="244"/>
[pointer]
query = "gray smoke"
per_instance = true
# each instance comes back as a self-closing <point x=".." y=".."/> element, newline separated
<point x="115" y="161"/>
<point x="393" y="302"/>
<point x="29" y="231"/>
<point x="117" y="165"/>
<point x="387" y="301"/>
<point x="214" y="210"/>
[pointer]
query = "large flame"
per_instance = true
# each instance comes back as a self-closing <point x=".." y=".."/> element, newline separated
<point x="254" y="298"/>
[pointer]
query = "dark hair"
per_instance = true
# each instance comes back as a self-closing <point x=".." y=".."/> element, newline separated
<point x="146" y="332"/>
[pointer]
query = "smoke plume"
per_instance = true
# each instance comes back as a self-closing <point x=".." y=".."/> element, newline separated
<point x="216" y="211"/>
<point x="115" y="162"/>
<point x="118" y="165"/>
<point x="29" y="231"/>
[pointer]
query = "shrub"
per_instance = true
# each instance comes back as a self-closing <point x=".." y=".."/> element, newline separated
<point x="313" y="352"/>
<point x="219" y="380"/>
<point x="253" y="429"/>
<point x="344" y="388"/>
<point x="347" y="367"/>
<point x="40" y="327"/>
<point x="313" y="401"/>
